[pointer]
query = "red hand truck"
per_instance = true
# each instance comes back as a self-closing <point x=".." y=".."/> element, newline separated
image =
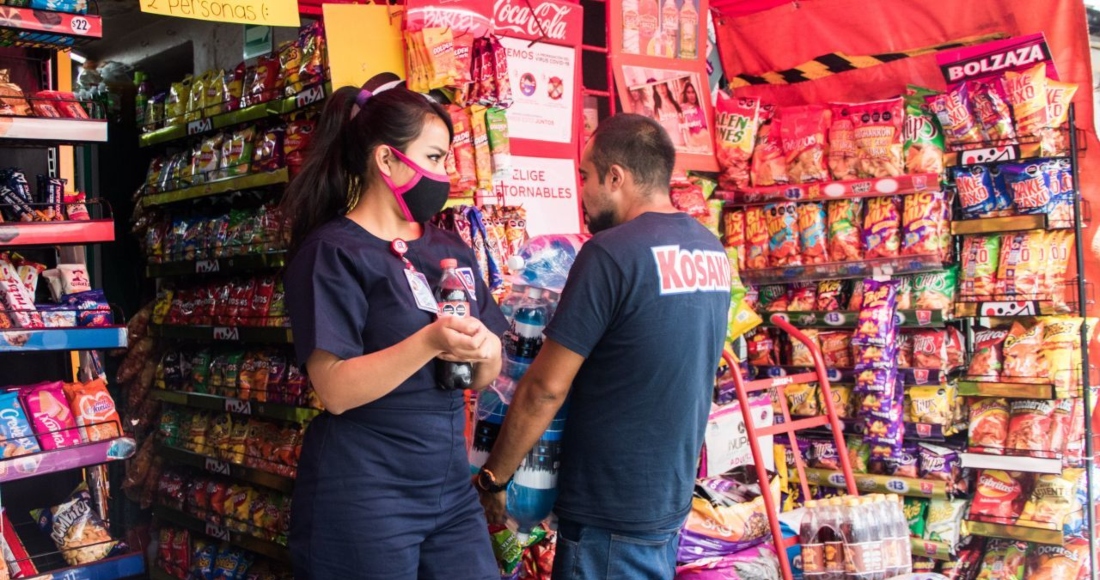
<point x="789" y="427"/>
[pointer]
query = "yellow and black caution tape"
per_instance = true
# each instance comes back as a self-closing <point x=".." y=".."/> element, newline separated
<point x="838" y="62"/>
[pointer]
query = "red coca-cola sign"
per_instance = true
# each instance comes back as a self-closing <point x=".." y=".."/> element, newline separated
<point x="546" y="20"/>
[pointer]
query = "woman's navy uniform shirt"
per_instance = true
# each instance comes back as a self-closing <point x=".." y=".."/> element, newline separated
<point x="377" y="483"/>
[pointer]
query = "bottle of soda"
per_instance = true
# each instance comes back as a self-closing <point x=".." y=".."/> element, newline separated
<point x="813" y="551"/>
<point x="453" y="300"/>
<point x="832" y="539"/>
<point x="862" y="546"/>
<point x="901" y="534"/>
<point x="891" y="556"/>
<point x="524" y="340"/>
<point x="508" y="305"/>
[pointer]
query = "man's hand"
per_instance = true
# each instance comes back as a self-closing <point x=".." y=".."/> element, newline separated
<point x="494" y="504"/>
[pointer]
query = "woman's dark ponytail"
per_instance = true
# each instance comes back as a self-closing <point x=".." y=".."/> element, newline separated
<point x="335" y="169"/>
<point x="320" y="192"/>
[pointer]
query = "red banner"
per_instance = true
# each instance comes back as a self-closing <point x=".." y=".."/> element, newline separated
<point x="784" y="36"/>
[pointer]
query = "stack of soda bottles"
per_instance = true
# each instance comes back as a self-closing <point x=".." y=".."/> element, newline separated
<point x="855" y="538"/>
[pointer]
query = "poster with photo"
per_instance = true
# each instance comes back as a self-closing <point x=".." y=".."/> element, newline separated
<point x="668" y="28"/>
<point x="672" y="98"/>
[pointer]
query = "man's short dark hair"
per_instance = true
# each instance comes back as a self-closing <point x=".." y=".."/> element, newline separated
<point x="639" y="145"/>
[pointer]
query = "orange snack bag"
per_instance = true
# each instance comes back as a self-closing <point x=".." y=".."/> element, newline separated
<point x="756" y="239"/>
<point x="94" y="410"/>
<point x="465" y="176"/>
<point x="1027" y="93"/>
<point x="483" y="156"/>
<point x="802" y="133"/>
<point x="768" y="164"/>
<point x="843" y="152"/>
<point x="440" y="49"/>
<point x="1022" y="350"/>
<point x="736" y="121"/>
<point x="879" y="137"/>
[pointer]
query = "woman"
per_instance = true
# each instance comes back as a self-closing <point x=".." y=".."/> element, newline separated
<point x="638" y="103"/>
<point x="667" y="112"/>
<point x="695" y="120"/>
<point x="383" y="488"/>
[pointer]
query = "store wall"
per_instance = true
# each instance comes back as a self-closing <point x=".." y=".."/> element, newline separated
<point x="1095" y="54"/>
<point x="214" y="45"/>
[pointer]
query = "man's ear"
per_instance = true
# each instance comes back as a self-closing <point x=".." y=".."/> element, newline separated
<point x="616" y="177"/>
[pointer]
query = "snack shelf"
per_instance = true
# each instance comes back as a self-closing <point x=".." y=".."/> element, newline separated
<point x="1011" y="462"/>
<point x="1002" y="309"/>
<point x="44" y="130"/>
<point x="1016" y="532"/>
<point x="824" y="191"/>
<point x="849" y="318"/>
<point x="920" y="431"/>
<point x="845" y="270"/>
<point x="915" y="377"/>
<point x="867" y="483"/>
<point x="81" y="338"/>
<point x="65" y="458"/>
<point x="308" y="96"/>
<point x="978" y="155"/>
<point x="156" y="573"/>
<point x="277" y="411"/>
<point x="998" y="225"/>
<point x="235" y="264"/>
<point x="262" y="547"/>
<point x="125" y="566"/>
<point x="27" y="27"/>
<point x="243" y="182"/>
<point x="57" y="233"/>
<point x="930" y="549"/>
<point x="217" y="466"/>
<point x="252" y="334"/>
<point x="973" y="388"/>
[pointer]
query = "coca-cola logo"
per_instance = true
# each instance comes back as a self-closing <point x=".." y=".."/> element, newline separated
<point x="521" y="19"/>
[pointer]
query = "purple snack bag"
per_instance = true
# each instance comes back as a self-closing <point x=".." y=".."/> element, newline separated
<point x="876" y="380"/>
<point x="824" y="454"/>
<point x="877" y="324"/>
<point x="938" y="462"/>
<point x="905" y="462"/>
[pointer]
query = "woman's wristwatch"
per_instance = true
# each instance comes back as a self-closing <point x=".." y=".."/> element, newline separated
<point x="488" y="482"/>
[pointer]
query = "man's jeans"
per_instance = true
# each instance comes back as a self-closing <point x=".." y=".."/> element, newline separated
<point x="591" y="553"/>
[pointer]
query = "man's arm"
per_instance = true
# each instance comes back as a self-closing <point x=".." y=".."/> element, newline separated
<point x="538" y="397"/>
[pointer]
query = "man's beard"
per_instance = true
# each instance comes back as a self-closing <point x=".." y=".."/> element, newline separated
<point x="602" y="221"/>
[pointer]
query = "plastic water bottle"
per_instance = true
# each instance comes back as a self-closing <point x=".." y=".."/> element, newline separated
<point x="534" y="489"/>
<point x="524" y="339"/>
<point x="509" y="304"/>
<point x="489" y="416"/>
<point x="453" y="300"/>
<point x="900" y="534"/>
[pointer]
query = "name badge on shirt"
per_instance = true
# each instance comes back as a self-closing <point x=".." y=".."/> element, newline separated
<point x="422" y="292"/>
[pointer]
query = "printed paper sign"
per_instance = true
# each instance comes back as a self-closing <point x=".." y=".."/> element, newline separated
<point x="547" y="189"/>
<point x="995" y="58"/>
<point x="542" y="78"/>
<point x="259" y="12"/>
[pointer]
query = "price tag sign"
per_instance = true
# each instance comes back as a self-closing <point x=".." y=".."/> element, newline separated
<point x="200" y="126"/>
<point x="207" y="266"/>
<point x="227" y="333"/>
<point x="238" y="406"/>
<point x="309" y="96"/>
<point x="837" y="479"/>
<point x="217" y="466"/>
<point x="897" y="486"/>
<point x="217" y="532"/>
<point x="988" y="155"/>
<point x="834" y="318"/>
<point x="80" y="25"/>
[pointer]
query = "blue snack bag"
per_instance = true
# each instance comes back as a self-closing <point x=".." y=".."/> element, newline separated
<point x="1002" y="198"/>
<point x="16" y="436"/>
<point x="976" y="195"/>
<point x="1030" y="186"/>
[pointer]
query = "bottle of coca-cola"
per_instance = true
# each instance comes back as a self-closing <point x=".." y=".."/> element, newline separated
<point x="832" y="539"/>
<point x="453" y="300"/>
<point x="813" y="551"/>
<point x="862" y="542"/>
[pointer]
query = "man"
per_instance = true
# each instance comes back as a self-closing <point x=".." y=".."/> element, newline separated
<point x="635" y="343"/>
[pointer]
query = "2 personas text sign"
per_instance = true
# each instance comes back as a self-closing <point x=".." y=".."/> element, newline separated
<point x="257" y="12"/>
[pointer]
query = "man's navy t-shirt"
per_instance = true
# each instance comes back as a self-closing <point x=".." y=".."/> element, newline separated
<point x="646" y="304"/>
